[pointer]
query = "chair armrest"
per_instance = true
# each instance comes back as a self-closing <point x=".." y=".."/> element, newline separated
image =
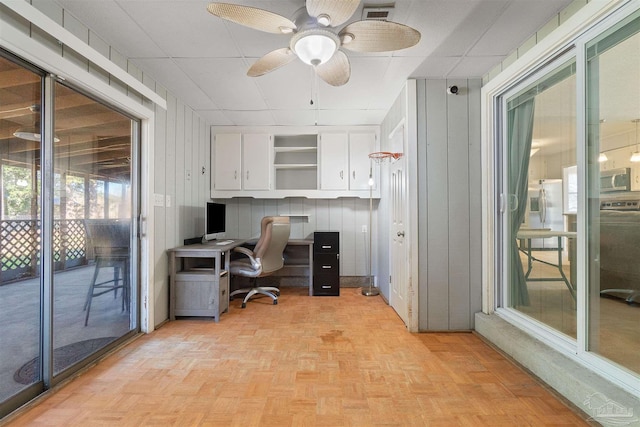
<point x="255" y="263"/>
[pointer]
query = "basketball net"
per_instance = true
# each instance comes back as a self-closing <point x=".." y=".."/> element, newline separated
<point x="384" y="156"/>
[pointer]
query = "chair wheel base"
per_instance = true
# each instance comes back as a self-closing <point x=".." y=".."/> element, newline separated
<point x="275" y="302"/>
<point x="244" y="305"/>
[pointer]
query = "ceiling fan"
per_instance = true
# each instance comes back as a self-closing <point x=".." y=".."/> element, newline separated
<point x="315" y="38"/>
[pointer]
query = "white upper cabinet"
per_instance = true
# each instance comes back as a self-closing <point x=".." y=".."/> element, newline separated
<point x="344" y="160"/>
<point x="256" y="161"/>
<point x="360" y="145"/>
<point x="227" y="158"/>
<point x="322" y="162"/>
<point x="241" y="161"/>
<point x="334" y="164"/>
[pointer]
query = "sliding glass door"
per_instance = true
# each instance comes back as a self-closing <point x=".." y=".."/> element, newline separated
<point x="68" y="278"/>
<point x="92" y="212"/>
<point x="542" y="207"/>
<point x="613" y="211"/>
<point x="570" y="188"/>
<point x="20" y="227"/>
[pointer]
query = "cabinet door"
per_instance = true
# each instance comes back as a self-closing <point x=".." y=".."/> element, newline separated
<point x="333" y="161"/>
<point x="360" y="145"/>
<point x="256" y="161"/>
<point x="227" y="149"/>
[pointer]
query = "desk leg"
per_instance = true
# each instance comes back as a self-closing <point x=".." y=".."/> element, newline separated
<point x="172" y="286"/>
<point x="216" y="287"/>
<point x="311" y="270"/>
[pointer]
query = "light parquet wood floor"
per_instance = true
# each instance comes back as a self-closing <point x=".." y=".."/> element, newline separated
<point x="308" y="361"/>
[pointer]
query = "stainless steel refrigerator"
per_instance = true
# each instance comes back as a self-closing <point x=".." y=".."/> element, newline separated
<point x="545" y="210"/>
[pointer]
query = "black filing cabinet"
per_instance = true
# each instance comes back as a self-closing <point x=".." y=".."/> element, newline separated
<point x="326" y="263"/>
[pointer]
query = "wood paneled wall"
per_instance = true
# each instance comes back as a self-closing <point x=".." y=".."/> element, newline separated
<point x="181" y="152"/>
<point x="449" y="213"/>
<point x="345" y="215"/>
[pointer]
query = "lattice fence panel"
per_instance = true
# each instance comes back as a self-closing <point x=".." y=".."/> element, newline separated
<point x="20" y="246"/>
<point x="20" y="243"/>
<point x="75" y="238"/>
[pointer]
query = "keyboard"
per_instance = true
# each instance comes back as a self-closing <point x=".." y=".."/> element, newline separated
<point x="224" y="242"/>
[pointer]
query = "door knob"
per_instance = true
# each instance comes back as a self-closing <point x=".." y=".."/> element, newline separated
<point x="400" y="233"/>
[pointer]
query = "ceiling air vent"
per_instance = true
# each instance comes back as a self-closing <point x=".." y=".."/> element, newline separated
<point x="377" y="12"/>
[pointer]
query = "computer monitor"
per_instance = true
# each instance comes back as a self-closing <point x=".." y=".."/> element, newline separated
<point x="214" y="220"/>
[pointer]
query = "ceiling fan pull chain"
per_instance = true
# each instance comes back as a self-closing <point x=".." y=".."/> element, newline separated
<point x="314" y="83"/>
<point x="313" y="72"/>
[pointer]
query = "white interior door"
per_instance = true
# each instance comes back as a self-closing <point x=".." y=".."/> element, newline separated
<point x="399" y="233"/>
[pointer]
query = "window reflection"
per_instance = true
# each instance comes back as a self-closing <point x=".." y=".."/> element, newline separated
<point x="614" y="195"/>
<point x="542" y="148"/>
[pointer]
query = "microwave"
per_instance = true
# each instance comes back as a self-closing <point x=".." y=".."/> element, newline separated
<point x="615" y="180"/>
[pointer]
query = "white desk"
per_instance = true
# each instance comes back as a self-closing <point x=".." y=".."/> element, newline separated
<point x="528" y="234"/>
<point x="185" y="255"/>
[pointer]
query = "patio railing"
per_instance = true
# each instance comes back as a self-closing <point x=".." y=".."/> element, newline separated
<point x="20" y="247"/>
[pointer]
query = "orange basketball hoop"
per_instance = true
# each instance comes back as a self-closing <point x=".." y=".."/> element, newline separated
<point x="382" y="156"/>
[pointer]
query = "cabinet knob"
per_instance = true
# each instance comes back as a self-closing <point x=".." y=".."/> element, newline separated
<point x="354" y="174"/>
<point x="235" y="174"/>
<point x="247" y="175"/>
<point x="341" y="174"/>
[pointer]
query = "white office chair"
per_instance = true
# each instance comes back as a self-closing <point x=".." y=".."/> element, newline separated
<point x="265" y="258"/>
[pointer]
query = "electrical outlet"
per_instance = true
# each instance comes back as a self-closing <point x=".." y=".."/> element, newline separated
<point x="187" y="174"/>
<point x="158" y="200"/>
<point x="364" y="228"/>
<point x="168" y="200"/>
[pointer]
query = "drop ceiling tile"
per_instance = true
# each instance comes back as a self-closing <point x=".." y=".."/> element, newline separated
<point x="254" y="43"/>
<point x="435" y="67"/>
<point x="295" y="117"/>
<point x="289" y="87"/>
<point x="182" y="28"/>
<point x="169" y="75"/>
<point x="398" y="71"/>
<point x="351" y="117"/>
<point x="511" y="23"/>
<point x="474" y="66"/>
<point x="109" y="21"/>
<point x="215" y="117"/>
<point x="447" y="25"/>
<point x="224" y="81"/>
<point x="251" y="118"/>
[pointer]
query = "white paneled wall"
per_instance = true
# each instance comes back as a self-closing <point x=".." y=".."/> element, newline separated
<point x="449" y="183"/>
<point x="180" y="156"/>
<point x="345" y="215"/>
<point x="180" y="145"/>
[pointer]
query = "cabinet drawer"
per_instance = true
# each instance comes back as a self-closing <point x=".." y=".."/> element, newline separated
<point x="195" y="297"/>
<point x="326" y="242"/>
<point x="326" y="285"/>
<point x="326" y="264"/>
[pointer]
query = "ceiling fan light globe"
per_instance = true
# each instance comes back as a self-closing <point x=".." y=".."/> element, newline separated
<point x="346" y="38"/>
<point x="324" y="20"/>
<point x="315" y="49"/>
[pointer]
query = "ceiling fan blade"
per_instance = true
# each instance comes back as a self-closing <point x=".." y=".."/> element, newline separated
<point x="272" y="60"/>
<point x="337" y="11"/>
<point x="336" y="71"/>
<point x="378" y="36"/>
<point x="252" y="17"/>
